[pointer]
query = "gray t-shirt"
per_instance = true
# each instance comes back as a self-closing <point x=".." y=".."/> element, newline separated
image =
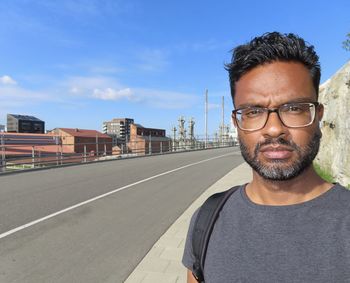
<point x="307" y="242"/>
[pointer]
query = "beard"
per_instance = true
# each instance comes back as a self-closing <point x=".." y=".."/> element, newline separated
<point x="278" y="170"/>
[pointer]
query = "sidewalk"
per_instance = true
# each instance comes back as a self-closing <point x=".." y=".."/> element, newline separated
<point x="163" y="264"/>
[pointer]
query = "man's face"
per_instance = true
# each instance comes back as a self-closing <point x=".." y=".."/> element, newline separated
<point x="277" y="152"/>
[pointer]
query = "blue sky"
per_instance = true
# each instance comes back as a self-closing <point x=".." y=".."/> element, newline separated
<point x="75" y="63"/>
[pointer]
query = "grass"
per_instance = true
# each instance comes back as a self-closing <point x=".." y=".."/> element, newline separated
<point x="324" y="175"/>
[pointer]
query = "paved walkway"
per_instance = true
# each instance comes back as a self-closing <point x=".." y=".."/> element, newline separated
<point x="163" y="264"/>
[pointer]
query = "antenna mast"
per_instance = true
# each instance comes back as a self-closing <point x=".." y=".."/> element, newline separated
<point x="206" y="118"/>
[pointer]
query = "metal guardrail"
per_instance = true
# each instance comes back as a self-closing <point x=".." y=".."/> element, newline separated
<point x="22" y="156"/>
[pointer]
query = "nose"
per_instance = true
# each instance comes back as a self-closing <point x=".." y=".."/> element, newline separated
<point x="274" y="127"/>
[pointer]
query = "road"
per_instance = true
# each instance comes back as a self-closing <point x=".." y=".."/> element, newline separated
<point x="95" y="222"/>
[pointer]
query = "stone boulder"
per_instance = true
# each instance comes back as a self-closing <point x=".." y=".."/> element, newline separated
<point x="334" y="155"/>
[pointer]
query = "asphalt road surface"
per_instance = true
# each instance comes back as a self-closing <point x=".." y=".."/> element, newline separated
<point x="95" y="222"/>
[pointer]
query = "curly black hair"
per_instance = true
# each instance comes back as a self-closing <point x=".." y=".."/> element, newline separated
<point x="269" y="47"/>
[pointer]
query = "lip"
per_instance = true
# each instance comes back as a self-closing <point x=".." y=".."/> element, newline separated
<point x="276" y="152"/>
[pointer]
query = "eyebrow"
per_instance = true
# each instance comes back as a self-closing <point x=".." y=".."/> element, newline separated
<point x="296" y="100"/>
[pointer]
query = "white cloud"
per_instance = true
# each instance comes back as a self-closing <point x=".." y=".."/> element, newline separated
<point x="15" y="99"/>
<point x="112" y="94"/>
<point x="7" y="80"/>
<point x="19" y="94"/>
<point x="165" y="99"/>
<point x="153" y="60"/>
<point x="74" y="90"/>
<point x="88" y="84"/>
<point x="108" y="88"/>
<point x="99" y="87"/>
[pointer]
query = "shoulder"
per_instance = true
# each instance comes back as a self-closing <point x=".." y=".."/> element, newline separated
<point x="342" y="192"/>
<point x="217" y="201"/>
<point x="342" y="188"/>
<point x="201" y="218"/>
<point x="338" y="198"/>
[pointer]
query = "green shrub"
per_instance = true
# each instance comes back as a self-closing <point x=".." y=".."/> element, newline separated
<point x="323" y="174"/>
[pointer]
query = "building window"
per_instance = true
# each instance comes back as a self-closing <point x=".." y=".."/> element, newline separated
<point x="26" y="126"/>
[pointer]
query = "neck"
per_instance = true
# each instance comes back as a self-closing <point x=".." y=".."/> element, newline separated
<point x="304" y="187"/>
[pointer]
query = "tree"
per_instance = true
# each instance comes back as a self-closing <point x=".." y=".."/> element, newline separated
<point x="346" y="43"/>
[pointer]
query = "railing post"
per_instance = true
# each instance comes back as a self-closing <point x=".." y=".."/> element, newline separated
<point x="39" y="158"/>
<point x="105" y="150"/>
<point x="3" y="155"/>
<point x="61" y="154"/>
<point x="57" y="153"/>
<point x="33" y="157"/>
<point x="96" y="145"/>
<point x="149" y="145"/>
<point x="84" y="153"/>
<point x="161" y="147"/>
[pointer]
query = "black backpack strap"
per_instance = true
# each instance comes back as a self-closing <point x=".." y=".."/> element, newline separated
<point x="203" y="227"/>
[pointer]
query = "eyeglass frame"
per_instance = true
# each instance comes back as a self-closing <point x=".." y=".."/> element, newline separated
<point x="276" y="110"/>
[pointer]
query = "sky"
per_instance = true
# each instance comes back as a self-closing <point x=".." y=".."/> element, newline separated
<point x="78" y="63"/>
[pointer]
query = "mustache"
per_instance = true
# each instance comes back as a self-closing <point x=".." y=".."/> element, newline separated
<point x="275" y="141"/>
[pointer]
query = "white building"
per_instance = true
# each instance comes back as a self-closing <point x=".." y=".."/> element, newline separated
<point x="233" y="133"/>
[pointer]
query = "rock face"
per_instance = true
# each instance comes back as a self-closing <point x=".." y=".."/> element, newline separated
<point x="334" y="155"/>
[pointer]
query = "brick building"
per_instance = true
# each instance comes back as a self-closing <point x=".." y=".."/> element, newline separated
<point x="147" y="140"/>
<point x="81" y="140"/>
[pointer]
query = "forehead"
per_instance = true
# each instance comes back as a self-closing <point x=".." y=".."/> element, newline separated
<point x="273" y="84"/>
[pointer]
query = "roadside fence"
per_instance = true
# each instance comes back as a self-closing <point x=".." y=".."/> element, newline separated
<point x="26" y="154"/>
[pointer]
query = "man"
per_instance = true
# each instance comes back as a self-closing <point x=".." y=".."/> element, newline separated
<point x="287" y="224"/>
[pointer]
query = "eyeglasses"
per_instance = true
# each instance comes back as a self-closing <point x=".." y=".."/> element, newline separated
<point x="292" y="115"/>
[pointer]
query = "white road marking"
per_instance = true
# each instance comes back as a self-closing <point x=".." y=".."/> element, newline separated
<point x="17" y="229"/>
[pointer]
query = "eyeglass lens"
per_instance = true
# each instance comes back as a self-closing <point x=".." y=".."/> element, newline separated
<point x="291" y="115"/>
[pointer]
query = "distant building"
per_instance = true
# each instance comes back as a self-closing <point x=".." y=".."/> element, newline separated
<point x="2" y="128"/>
<point x="118" y="129"/>
<point x="24" y="124"/>
<point x="147" y="140"/>
<point x="233" y="134"/>
<point x="81" y="140"/>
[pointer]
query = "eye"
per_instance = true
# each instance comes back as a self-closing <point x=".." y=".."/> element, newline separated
<point x="294" y="108"/>
<point x="252" y="112"/>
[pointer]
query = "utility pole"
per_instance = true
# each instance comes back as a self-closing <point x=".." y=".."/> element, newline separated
<point x="206" y="118"/>
<point x="223" y="120"/>
<point x="182" y="132"/>
<point x="191" y="131"/>
<point x="174" y="138"/>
